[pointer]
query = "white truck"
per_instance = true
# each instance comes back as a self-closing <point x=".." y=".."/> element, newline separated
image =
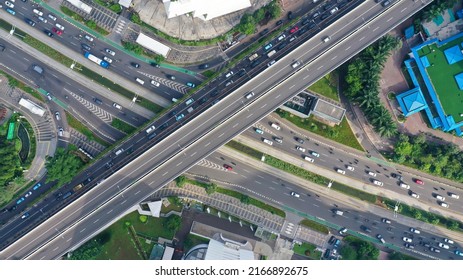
<point x="253" y="57"/>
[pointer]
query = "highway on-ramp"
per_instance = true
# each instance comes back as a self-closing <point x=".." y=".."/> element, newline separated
<point x="186" y="146"/>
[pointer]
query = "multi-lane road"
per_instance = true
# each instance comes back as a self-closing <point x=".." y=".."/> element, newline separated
<point x="335" y="157"/>
<point x="181" y="149"/>
<point x="73" y="38"/>
<point x="272" y="188"/>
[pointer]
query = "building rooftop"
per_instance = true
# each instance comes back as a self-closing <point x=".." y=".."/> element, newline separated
<point x="203" y="9"/>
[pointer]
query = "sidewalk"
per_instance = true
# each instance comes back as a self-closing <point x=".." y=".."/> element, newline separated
<point x="362" y="206"/>
<point x="85" y="82"/>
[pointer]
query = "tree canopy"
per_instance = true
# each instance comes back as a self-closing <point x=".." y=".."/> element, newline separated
<point x="63" y="166"/>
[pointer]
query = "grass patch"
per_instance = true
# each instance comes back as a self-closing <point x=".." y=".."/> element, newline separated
<point x="296" y="170"/>
<point x="119" y="89"/>
<point x="354" y="192"/>
<point x="123" y="126"/>
<point x="121" y="246"/>
<point x="327" y="86"/>
<point x="399" y="256"/>
<point x="208" y="73"/>
<point x="50" y="52"/>
<point x="315" y="226"/>
<point x="242" y="197"/>
<point x="424" y="216"/>
<point x="175" y="205"/>
<point x="245" y="149"/>
<point x="341" y="133"/>
<point x="77" y="125"/>
<point x="307" y="250"/>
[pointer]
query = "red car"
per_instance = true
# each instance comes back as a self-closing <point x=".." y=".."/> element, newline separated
<point x="419" y="182"/>
<point x="228" y="167"/>
<point x="57" y="31"/>
<point x="294" y="29"/>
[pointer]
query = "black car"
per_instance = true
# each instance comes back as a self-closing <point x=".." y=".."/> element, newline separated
<point x="163" y="126"/>
<point x="332" y="239"/>
<point x="325" y="16"/>
<point x="203" y="100"/>
<point x="86" y="47"/>
<point x="154" y="64"/>
<point x="255" y="63"/>
<point x="134" y="64"/>
<point x="396" y="176"/>
<point x="203" y="66"/>
<point x="290" y="15"/>
<point x="173" y="113"/>
<point x="97" y="101"/>
<point x="241" y="73"/>
<point x="327" y="253"/>
<point x="2" y="47"/>
<point x="300" y="140"/>
<point x="264" y="32"/>
<point x="280" y="22"/>
<point x="214" y="93"/>
<point x="30" y="22"/>
<point x="282" y="45"/>
<point x="49" y="34"/>
<point x="365" y="229"/>
<point x="305" y="21"/>
<point x="302" y="31"/>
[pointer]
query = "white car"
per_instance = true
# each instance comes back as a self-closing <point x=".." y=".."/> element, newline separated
<point x="266" y="141"/>
<point x="295" y="64"/>
<point x="117" y="106"/>
<point x="28" y="194"/>
<point x="415" y="195"/>
<point x="59" y="26"/>
<point x="37" y="12"/>
<point x="384" y="220"/>
<point x="276" y="126"/>
<point x="372" y="174"/>
<point x="350" y="168"/>
<point x="281" y="37"/>
<point x="309" y="159"/>
<point x="440" y="197"/>
<point x="42" y="19"/>
<point x="271" y="63"/>
<point x="315" y="154"/>
<point x="339" y="170"/>
<point x="300" y="149"/>
<point x="414" y="230"/>
<point x="454" y="195"/>
<point x="107" y="59"/>
<point x="448" y="241"/>
<point x="406" y="239"/>
<point x="52" y="17"/>
<point x="229" y="74"/>
<point x="110" y="52"/>
<point x="278" y="140"/>
<point x="88" y="38"/>
<point x="9" y="5"/>
<point x="443" y="204"/>
<point x="342" y="231"/>
<point x="154" y="83"/>
<point x="378" y="183"/>
<point x="445" y="246"/>
<point x="295" y="194"/>
<point x="405" y="186"/>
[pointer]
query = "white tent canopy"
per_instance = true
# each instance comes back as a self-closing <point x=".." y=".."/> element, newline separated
<point x="31" y="106"/>
<point x="204" y="9"/>
<point x="152" y="45"/>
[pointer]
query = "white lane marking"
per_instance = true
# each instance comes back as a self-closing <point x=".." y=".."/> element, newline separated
<point x="83" y="230"/>
<point x="137" y="192"/>
<point x="362" y="38"/>
<point x="221" y="134"/>
<point x="96" y="221"/>
<point x="315" y="205"/>
<point x="109" y="211"/>
<point x="179" y="163"/>
<point x="389" y="19"/>
<point x="348" y="48"/>
<point x="292" y="86"/>
<point x="193" y="154"/>
<point x="235" y="125"/>
<point x="207" y="144"/>
<point x="69" y="239"/>
<point x="334" y="57"/>
<point x="258" y="182"/>
<point x="56" y="249"/>
<point x="165" y="173"/>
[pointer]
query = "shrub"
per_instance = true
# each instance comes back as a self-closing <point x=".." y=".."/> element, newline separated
<point x="143" y="218"/>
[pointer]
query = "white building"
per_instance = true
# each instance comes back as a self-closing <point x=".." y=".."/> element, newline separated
<point x="204" y="9"/>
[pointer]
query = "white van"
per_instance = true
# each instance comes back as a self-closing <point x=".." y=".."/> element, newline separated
<point x="326" y="39"/>
<point x="150" y="129"/>
<point x="118" y="152"/>
<point x="339" y="212"/>
<point x="266" y="141"/>
<point x="174" y="99"/>
<point x="271" y="53"/>
<point x="140" y="81"/>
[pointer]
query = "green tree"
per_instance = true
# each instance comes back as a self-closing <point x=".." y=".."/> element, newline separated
<point x="13" y="83"/>
<point x="91" y="24"/>
<point x="173" y="223"/>
<point x="180" y="180"/>
<point x="247" y="24"/>
<point x="348" y="252"/>
<point x="63" y="166"/>
<point x="135" y="18"/>
<point x="245" y="199"/>
<point x="11" y="166"/>
<point x="274" y="9"/>
<point x="134" y="47"/>
<point x="115" y="8"/>
<point x="211" y="188"/>
<point x="452" y="225"/>
<point x="259" y="15"/>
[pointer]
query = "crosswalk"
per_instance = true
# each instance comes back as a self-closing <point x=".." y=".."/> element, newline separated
<point x="100" y="113"/>
<point x="168" y="83"/>
<point x="121" y="24"/>
<point x="45" y="130"/>
<point x="81" y="141"/>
